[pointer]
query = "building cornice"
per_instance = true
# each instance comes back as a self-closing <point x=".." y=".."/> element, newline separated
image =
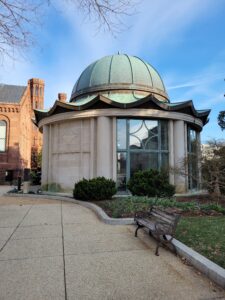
<point x="148" y="105"/>
<point x="120" y="113"/>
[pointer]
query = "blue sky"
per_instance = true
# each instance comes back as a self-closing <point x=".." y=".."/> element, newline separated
<point x="183" y="40"/>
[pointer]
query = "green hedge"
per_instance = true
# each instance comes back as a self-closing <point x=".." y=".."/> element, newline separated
<point x="151" y="183"/>
<point x="95" y="189"/>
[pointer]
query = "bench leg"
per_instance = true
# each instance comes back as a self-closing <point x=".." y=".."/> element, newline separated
<point x="159" y="244"/>
<point x="162" y="243"/>
<point x="138" y="227"/>
<point x="162" y="240"/>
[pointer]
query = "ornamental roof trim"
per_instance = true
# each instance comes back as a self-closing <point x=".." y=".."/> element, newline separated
<point x="100" y="101"/>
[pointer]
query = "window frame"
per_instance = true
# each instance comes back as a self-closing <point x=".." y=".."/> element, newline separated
<point x="192" y="158"/>
<point x="5" y="137"/>
<point x="128" y="151"/>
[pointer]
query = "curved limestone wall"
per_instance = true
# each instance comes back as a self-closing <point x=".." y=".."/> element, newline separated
<point x="83" y="145"/>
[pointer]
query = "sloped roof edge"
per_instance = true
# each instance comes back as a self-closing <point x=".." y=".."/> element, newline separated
<point x="202" y="114"/>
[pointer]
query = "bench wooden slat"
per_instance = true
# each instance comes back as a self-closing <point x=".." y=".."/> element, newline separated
<point x="165" y="215"/>
<point x="163" y="218"/>
<point x="146" y="223"/>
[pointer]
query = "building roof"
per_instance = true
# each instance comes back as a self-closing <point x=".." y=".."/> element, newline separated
<point x="119" y="73"/>
<point x="11" y="93"/>
<point x="101" y="102"/>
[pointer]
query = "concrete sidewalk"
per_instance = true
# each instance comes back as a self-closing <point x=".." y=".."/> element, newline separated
<point x="58" y="250"/>
<point x="4" y="189"/>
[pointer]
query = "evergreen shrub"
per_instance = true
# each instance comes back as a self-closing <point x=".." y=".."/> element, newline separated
<point x="151" y="183"/>
<point x="99" y="188"/>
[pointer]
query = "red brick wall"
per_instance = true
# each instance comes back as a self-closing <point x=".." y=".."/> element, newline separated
<point x="22" y="134"/>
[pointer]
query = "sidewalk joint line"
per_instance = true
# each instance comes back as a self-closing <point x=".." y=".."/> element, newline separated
<point x="27" y="258"/>
<point x="18" y="225"/>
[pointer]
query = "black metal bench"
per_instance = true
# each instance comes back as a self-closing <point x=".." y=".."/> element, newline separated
<point x="161" y="224"/>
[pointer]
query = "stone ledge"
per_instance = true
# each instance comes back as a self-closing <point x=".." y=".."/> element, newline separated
<point x="201" y="263"/>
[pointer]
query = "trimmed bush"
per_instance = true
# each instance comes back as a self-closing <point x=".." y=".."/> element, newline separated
<point x="151" y="183"/>
<point x="95" y="189"/>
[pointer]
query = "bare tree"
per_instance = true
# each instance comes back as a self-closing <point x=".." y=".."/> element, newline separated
<point x="17" y="17"/>
<point x="213" y="168"/>
<point x="107" y="13"/>
<point x="211" y="164"/>
<point x="221" y="119"/>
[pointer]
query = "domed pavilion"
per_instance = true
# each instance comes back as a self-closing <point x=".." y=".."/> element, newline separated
<point x="119" y="120"/>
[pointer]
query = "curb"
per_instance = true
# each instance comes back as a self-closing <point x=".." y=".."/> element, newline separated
<point x="200" y="262"/>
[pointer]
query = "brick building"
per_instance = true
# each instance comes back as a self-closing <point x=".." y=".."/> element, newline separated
<point x="20" y="139"/>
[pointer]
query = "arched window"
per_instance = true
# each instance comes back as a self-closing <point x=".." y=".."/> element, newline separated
<point x="2" y="136"/>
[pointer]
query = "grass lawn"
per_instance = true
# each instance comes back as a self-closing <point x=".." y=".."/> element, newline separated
<point x="205" y="234"/>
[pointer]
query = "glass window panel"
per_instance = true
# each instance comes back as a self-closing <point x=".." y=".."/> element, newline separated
<point x="135" y="126"/>
<point x="135" y="143"/>
<point x="164" y="135"/>
<point x="143" y="152"/>
<point x="192" y="172"/>
<point x="121" y="170"/>
<point x="192" y="140"/>
<point x="2" y="135"/>
<point x="138" y="134"/>
<point x="194" y="146"/>
<point x="192" y="159"/>
<point x="121" y="134"/>
<point x="2" y="145"/>
<point x="142" y="161"/>
<point x="2" y="129"/>
<point x="152" y="143"/>
<point x="151" y="124"/>
<point x="164" y="161"/>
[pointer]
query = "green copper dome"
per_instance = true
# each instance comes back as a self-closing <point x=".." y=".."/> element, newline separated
<point x="120" y="77"/>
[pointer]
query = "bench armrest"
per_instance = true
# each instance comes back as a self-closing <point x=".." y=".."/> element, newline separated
<point x="163" y="228"/>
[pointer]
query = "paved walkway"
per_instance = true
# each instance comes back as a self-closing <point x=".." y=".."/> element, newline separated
<point x="4" y="189"/>
<point x="58" y="250"/>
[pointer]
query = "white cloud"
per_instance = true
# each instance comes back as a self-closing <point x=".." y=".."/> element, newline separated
<point x="157" y="23"/>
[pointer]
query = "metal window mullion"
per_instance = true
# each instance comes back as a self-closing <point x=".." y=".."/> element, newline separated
<point x="148" y="151"/>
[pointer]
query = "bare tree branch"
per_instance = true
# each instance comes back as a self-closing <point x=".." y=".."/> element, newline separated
<point x="18" y="17"/>
<point x="15" y="18"/>
<point x="221" y="119"/>
<point x="107" y="14"/>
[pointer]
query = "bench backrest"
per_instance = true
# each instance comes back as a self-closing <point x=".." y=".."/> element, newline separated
<point x="166" y="217"/>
